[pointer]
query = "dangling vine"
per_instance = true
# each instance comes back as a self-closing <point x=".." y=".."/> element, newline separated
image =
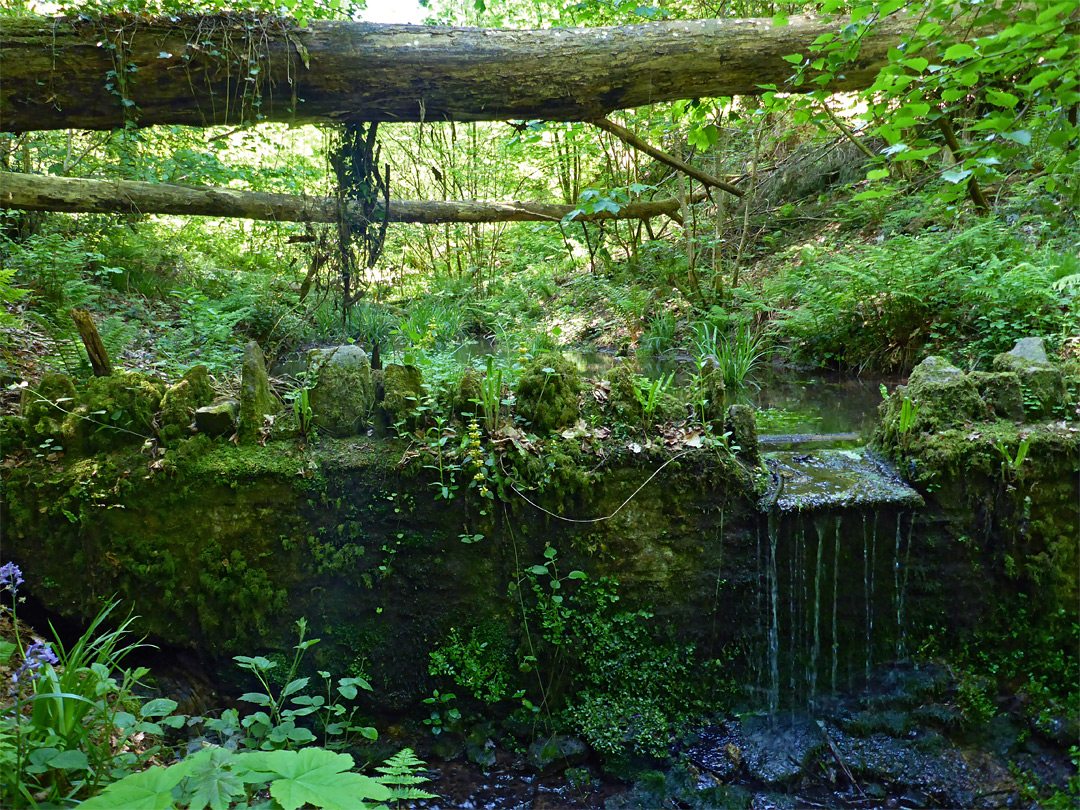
<point x="361" y="187"/>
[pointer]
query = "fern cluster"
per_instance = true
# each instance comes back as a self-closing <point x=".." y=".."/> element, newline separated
<point x="971" y="297"/>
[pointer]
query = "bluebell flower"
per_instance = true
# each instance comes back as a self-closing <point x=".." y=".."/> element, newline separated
<point x="39" y="654"/>
<point x="10" y="577"/>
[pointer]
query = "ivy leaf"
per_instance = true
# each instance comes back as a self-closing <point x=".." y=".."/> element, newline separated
<point x="315" y="776"/>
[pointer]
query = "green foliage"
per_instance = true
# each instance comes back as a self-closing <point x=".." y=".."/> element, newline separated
<point x="650" y="393"/>
<point x="219" y="778"/>
<point x="886" y="307"/>
<point x="400" y="774"/>
<point x="630" y="687"/>
<point x="659" y="337"/>
<point x="478" y="661"/>
<point x="82" y="717"/>
<point x="1005" y="75"/>
<point x="279" y="724"/>
<point x="735" y="355"/>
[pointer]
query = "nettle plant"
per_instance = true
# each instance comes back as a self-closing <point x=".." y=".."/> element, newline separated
<point x="985" y="90"/>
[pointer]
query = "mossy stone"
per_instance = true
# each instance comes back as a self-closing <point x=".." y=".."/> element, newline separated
<point x="114" y="410"/>
<point x="467" y="393"/>
<point x="1000" y="390"/>
<point x="1043" y="384"/>
<point x="256" y="400"/>
<point x="547" y="392"/>
<point x="218" y="418"/>
<point x="403" y="391"/>
<point x="622" y="400"/>
<point x="742" y="425"/>
<point x="342" y="392"/>
<point x="47" y="405"/>
<point x="944" y="397"/>
<point x="182" y="400"/>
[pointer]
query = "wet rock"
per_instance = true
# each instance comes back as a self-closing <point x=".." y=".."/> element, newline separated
<point x="219" y="417"/>
<point x="776" y="751"/>
<point x="341" y="389"/>
<point x="718" y="751"/>
<point x="547" y="393"/>
<point x="1031" y="349"/>
<point x="256" y="400"/>
<point x="939" y="396"/>
<point x="549" y="755"/>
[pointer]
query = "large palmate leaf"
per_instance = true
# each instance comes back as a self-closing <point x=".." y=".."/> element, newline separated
<point x="147" y="790"/>
<point x="315" y="776"/>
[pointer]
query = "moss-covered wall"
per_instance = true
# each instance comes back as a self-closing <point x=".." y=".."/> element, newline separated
<point x="224" y="547"/>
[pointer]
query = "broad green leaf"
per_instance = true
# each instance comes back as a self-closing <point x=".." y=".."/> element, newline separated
<point x="158" y="707"/>
<point x="147" y="790"/>
<point x="577" y="575"/>
<point x="70" y="761"/>
<point x="918" y="64"/>
<point x="1002" y="99"/>
<point x="6" y="649"/>
<point x="1021" y="136"/>
<point x="956" y="176"/>
<point x="258" y="698"/>
<point x="212" y="782"/>
<point x="873" y="195"/>
<point x="539" y="570"/>
<point x="877" y="174"/>
<point x="318" y="777"/>
<point x="793" y="58"/>
<point x="960" y="50"/>
<point x="295" y="686"/>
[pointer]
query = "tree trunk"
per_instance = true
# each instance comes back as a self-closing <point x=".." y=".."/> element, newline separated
<point x="232" y="69"/>
<point x="34" y="192"/>
<point x="95" y="348"/>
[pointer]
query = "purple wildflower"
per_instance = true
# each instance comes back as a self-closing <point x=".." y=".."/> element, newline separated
<point x="40" y="653"/>
<point x="10" y="577"/>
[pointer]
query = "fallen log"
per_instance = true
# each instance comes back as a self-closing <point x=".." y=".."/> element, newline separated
<point x="34" y="192"/>
<point x="230" y="69"/>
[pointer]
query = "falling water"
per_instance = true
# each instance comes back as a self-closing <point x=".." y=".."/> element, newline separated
<point x="793" y="620"/>
<point x="774" y="628"/>
<point x="835" y="584"/>
<point x="901" y="636"/>
<point x="896" y="586"/>
<point x="815" y="652"/>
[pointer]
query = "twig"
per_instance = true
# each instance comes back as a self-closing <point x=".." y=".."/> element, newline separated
<point x="839" y="759"/>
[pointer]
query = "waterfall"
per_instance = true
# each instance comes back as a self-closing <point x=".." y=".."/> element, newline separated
<point x="835" y="595"/>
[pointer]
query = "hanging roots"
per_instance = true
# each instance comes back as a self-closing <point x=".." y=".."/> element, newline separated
<point x="361" y="228"/>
